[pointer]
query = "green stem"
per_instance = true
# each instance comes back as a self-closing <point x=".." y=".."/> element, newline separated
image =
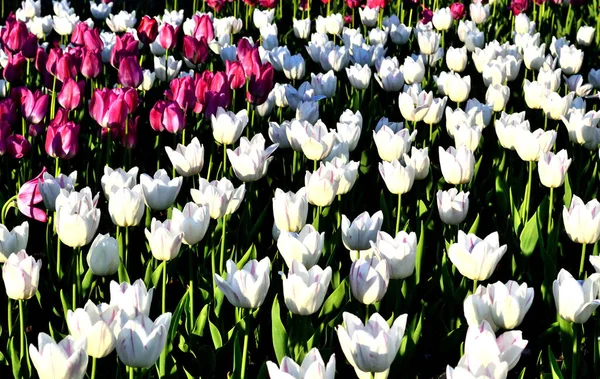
<point x="366" y="313"/>
<point x="9" y="316"/>
<point x="222" y="254"/>
<point x="93" y="375"/>
<point x="21" y="330"/>
<point x="582" y="262"/>
<point x="527" y="193"/>
<point x="131" y="372"/>
<point x="163" y="354"/>
<point x="550" y="209"/>
<point x="574" y="360"/>
<point x="191" y="286"/>
<point x="126" y="246"/>
<point x="398" y="214"/>
<point x="245" y="348"/>
<point x="224" y="159"/>
<point x="474" y="286"/>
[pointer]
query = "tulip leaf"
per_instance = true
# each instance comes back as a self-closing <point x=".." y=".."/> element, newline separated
<point x="257" y="225"/>
<point x="123" y="276"/>
<point x="279" y="335"/>
<point x="87" y="281"/>
<point x="568" y="191"/>
<point x="156" y="275"/>
<point x="501" y="197"/>
<point x="14" y="359"/>
<point x="529" y="236"/>
<point x="333" y="304"/>
<point x="514" y="212"/>
<point x="65" y="304"/>
<point x="246" y="257"/>
<point x="176" y="316"/>
<point x="475" y="225"/>
<point x="420" y="250"/>
<point x="522" y="374"/>
<point x="215" y="334"/>
<point x="148" y="273"/>
<point x="556" y="373"/>
<point x="201" y="322"/>
<point x="237" y="351"/>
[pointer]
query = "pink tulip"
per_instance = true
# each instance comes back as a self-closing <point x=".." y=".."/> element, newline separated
<point x="457" y="10"/>
<point x="14" y="35"/>
<point x="92" y="40"/>
<point x="167" y="37"/>
<point x="30" y="195"/>
<point x="268" y="3"/>
<point x="260" y="85"/>
<point x="130" y="72"/>
<point x="182" y="92"/>
<point x="167" y="115"/>
<point x="62" y="140"/>
<point x="250" y="60"/>
<point x="14" y="68"/>
<point x="216" y="5"/>
<point x="17" y="146"/>
<point x="125" y="45"/>
<point x="35" y="130"/>
<point x="147" y="30"/>
<point x="203" y="27"/>
<point x="91" y="63"/>
<point x="33" y="104"/>
<point x="195" y="50"/>
<point x="78" y="36"/>
<point x="8" y="111"/>
<point x="70" y="95"/>
<point x="108" y="108"/>
<point x="235" y="74"/>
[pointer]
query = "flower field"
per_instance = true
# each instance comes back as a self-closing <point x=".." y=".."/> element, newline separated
<point x="299" y="189"/>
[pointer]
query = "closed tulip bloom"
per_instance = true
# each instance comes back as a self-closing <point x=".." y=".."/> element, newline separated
<point x="497" y="95"/>
<point x="50" y="187"/>
<point x="349" y="132"/>
<point x="507" y="128"/>
<point x="479" y="13"/>
<point x="148" y="80"/>
<point x="248" y="287"/>
<point x="100" y="10"/>
<point x="458" y="88"/>
<point x="570" y="59"/>
<point x="130" y="72"/>
<point x="94" y="324"/>
<point x="21" y="275"/>
<point x="187" y="160"/>
<point x="419" y="160"/>
<point x="126" y="207"/>
<point x="290" y="210"/>
<point x="442" y="19"/>
<point x="413" y="69"/>
<point x="476" y="258"/>
<point x="534" y="93"/>
<point x="359" y="76"/>
<point x="220" y="196"/>
<point x="369" y="278"/>
<point x="436" y="111"/>
<point x="398" y="178"/>
<point x="389" y="76"/>
<point x="576" y="300"/>
<point x="251" y="160"/>
<point x="347" y="172"/>
<point x="595" y="261"/>
<point x="362" y="230"/>
<point x="585" y="35"/>
<point x="452" y="206"/>
<point x="160" y="192"/>
<point x="478" y="308"/>
<point x="583" y="129"/>
<point x="456" y="58"/>
<point x="313" y="367"/>
<point x="77" y="218"/>
<point x="64" y="360"/>
<point x="166" y="69"/>
<point x="321" y="186"/>
<point x="553" y="168"/>
<point x="468" y="136"/>
<point x="294" y="67"/>
<point x="373" y="346"/>
<point x="304" y="290"/>
<point x="534" y="56"/>
<point x="228" y="126"/>
<point x="393" y="140"/>
<point x="509" y="303"/>
<point x="132" y="299"/>
<point x="457" y="164"/>
<point x="414" y="103"/>
<point x="555" y="107"/>
<point x="429" y="41"/>
<point x="13" y="241"/>
<point x="301" y="28"/>
<point x="62" y="140"/>
<point x="324" y="84"/>
<point x="164" y="240"/>
<point x="582" y="221"/>
<point x="140" y="341"/>
<point x="304" y="247"/>
<point x="532" y="145"/>
<point x="482" y="345"/>
<point x="400" y="252"/>
<point x="192" y="222"/>
<point x="103" y="257"/>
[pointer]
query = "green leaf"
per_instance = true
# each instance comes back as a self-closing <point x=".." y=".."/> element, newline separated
<point x="87" y="281"/>
<point x="215" y="334"/>
<point x="333" y="304"/>
<point x="280" y="338"/>
<point x="475" y="225"/>
<point x="123" y="276"/>
<point x="522" y="374"/>
<point x="516" y="217"/>
<point x="420" y="250"/>
<point x="201" y="322"/>
<point x="176" y="316"/>
<point x="14" y="359"/>
<point x="556" y="373"/>
<point x="568" y="192"/>
<point x="148" y="273"/>
<point x="529" y="236"/>
<point x="246" y="257"/>
<point x="237" y="353"/>
<point x="156" y="275"/>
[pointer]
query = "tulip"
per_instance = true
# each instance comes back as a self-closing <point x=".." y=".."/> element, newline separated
<point x="347" y="172"/>
<point x="321" y="186"/>
<point x="187" y="160"/>
<point x="582" y="221"/>
<point x="532" y="145"/>
<point x="77" y="218"/>
<point x="373" y="347"/>
<point x="101" y="10"/>
<point x="389" y="75"/>
<point x="131" y="299"/>
<point x="419" y="160"/>
<point x="534" y="56"/>
<point x="141" y="341"/>
<point x="13" y="241"/>
<point x="315" y="141"/>
<point x="70" y="95"/>
<point x="121" y="21"/>
<point x="307" y="111"/>
<point x="66" y="359"/>
<point x="400" y="252"/>
<point x="583" y="129"/>
<point x="324" y="84"/>
<point x="166" y="69"/>
<point x="251" y="160"/>
<point x="228" y="126"/>
<point x="103" y="257"/>
<point x="195" y="51"/>
<point x="248" y="287"/>
<point x="301" y="28"/>
<point x="290" y="210"/>
<point x="553" y="168"/>
<point x="21" y="275"/>
<point x="304" y="290"/>
<point x="164" y="240"/>
<point x="442" y="19"/>
<point x="160" y="192"/>
<point x="585" y="35"/>
<point x="510" y="303"/>
<point x="570" y="59"/>
<point x="94" y="324"/>
<point x="468" y="136"/>
<point x="17" y="146"/>
<point x="413" y="69"/>
<point x="130" y="72"/>
<point x="482" y="345"/>
<point x="349" y="133"/>
<point x="126" y="205"/>
<point x="294" y="67"/>
<point x="359" y="76"/>
<point x="456" y="58"/>
<point x="497" y="95"/>
<point x="362" y="230"/>
<point x="30" y="195"/>
<point x="219" y="195"/>
<point x="369" y="278"/>
<point x="452" y="206"/>
<point x="312" y="367"/>
<point x="392" y="140"/>
<point x="458" y="87"/>
<point x="414" y="103"/>
<point x="260" y="84"/>
<point x="398" y="178"/>
<point x="457" y="164"/>
<point x="112" y="180"/>
<point x="429" y="41"/>
<point x="148" y="80"/>
<point x="476" y="258"/>
<point x="33" y="105"/>
<point x="167" y="115"/>
<point x="304" y="247"/>
<point x="192" y="222"/>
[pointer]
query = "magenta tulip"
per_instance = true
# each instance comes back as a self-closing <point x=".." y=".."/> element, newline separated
<point x="29" y="196"/>
<point x="70" y="95"/>
<point x="130" y="72"/>
<point x="17" y="146"/>
<point x="167" y="115"/>
<point x="62" y="141"/>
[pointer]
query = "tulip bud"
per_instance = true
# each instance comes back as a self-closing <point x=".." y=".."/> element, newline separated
<point x="304" y="247"/>
<point x="290" y="210"/>
<point x="13" y="241"/>
<point x="248" y="287"/>
<point x="582" y="221"/>
<point x="192" y="222"/>
<point x="553" y="168"/>
<point x="160" y="192"/>
<point x="126" y="206"/>
<point x="130" y="72"/>
<point x="452" y="206"/>
<point x="187" y="160"/>
<point x="363" y="230"/>
<point x="457" y="165"/>
<point x="400" y="252"/>
<point x="419" y="160"/>
<point x="220" y="196"/>
<point x="228" y="126"/>
<point x="301" y="28"/>
<point x="398" y="178"/>
<point x="94" y="325"/>
<point x="313" y="367"/>
<point x="251" y="160"/>
<point x="77" y="218"/>
<point x="576" y="300"/>
<point x="164" y="240"/>
<point x="103" y="256"/>
<point x="21" y="275"/>
<point x="304" y="290"/>
<point x="321" y="186"/>
<point x="67" y="358"/>
<point x="131" y="299"/>
<point x="139" y="340"/>
<point x="369" y="278"/>
<point x="475" y="258"/>
<point x="532" y="145"/>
